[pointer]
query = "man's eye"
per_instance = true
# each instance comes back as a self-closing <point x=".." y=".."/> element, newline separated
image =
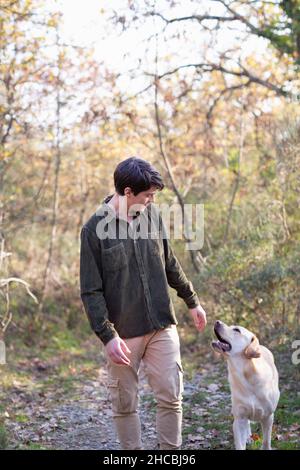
<point x="236" y="329"/>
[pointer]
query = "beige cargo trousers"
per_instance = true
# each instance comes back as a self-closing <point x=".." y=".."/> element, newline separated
<point x="160" y="353"/>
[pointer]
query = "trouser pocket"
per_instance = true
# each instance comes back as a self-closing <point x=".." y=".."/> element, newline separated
<point x="124" y="398"/>
<point x="114" y="392"/>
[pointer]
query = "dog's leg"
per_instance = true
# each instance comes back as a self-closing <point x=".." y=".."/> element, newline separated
<point x="267" y="424"/>
<point x="249" y="433"/>
<point x="240" y="429"/>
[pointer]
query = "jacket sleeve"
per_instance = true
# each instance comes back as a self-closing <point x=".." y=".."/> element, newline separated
<point x="91" y="286"/>
<point x="176" y="277"/>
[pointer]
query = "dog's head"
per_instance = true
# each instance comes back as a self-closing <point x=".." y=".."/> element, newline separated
<point x="235" y="340"/>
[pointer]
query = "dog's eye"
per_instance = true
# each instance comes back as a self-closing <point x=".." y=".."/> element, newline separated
<point x="236" y="329"/>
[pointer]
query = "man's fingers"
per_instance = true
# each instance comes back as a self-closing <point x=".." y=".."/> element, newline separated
<point x="125" y="347"/>
<point x="119" y="357"/>
<point x="115" y="351"/>
<point x="200" y="322"/>
<point x="124" y="358"/>
<point x="119" y="360"/>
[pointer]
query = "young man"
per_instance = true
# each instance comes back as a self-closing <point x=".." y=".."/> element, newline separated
<point x="125" y="270"/>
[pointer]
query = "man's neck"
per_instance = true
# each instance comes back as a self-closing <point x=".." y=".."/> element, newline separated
<point x="120" y="207"/>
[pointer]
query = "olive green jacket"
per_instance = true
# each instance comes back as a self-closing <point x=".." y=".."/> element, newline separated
<point x="125" y="270"/>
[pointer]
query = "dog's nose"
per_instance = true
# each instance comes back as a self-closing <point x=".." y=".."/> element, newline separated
<point x="218" y="323"/>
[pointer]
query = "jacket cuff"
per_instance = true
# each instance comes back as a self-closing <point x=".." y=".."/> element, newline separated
<point x="106" y="335"/>
<point x="192" y="302"/>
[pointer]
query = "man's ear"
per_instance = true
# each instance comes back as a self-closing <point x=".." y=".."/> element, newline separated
<point x="253" y="349"/>
<point x="127" y="191"/>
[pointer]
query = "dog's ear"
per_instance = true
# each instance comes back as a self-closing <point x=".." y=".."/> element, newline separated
<point x="252" y="350"/>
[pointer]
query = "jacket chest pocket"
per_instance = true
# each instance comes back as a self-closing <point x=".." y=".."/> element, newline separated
<point x="114" y="258"/>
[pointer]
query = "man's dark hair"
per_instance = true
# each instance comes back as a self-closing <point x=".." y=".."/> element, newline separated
<point x="136" y="174"/>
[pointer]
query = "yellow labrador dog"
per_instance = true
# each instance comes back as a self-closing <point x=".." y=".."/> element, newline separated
<point x="253" y="381"/>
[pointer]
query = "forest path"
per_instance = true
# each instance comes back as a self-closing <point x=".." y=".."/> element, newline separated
<point x="62" y="402"/>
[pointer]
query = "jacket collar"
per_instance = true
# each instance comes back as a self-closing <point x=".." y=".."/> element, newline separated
<point x="108" y="207"/>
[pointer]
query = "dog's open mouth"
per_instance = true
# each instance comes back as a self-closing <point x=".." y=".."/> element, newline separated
<point x="222" y="345"/>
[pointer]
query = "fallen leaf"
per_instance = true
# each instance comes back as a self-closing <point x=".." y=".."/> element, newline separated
<point x="195" y="438"/>
<point x="200" y="429"/>
<point x="213" y="387"/>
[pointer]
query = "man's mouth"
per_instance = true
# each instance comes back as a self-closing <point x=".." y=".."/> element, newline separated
<point x="222" y="345"/>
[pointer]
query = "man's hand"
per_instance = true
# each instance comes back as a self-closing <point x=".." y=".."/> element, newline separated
<point x="116" y="349"/>
<point x="199" y="317"/>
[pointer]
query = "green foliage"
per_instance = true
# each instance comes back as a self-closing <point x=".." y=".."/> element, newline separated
<point x="3" y="437"/>
<point x="21" y="418"/>
<point x="33" y="446"/>
<point x="291" y="42"/>
<point x="287" y="412"/>
<point x="253" y="278"/>
<point x="233" y="159"/>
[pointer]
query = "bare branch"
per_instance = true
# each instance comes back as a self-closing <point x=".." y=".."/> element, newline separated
<point x="198" y="18"/>
<point x="243" y="73"/>
<point x="238" y="174"/>
<point x="223" y="92"/>
<point x="4" y="282"/>
<point x="240" y="18"/>
<point x="6" y="323"/>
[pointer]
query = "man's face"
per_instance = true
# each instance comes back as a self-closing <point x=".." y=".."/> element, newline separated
<point x="141" y="200"/>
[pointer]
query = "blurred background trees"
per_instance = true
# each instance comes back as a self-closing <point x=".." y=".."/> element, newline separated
<point x="214" y="89"/>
